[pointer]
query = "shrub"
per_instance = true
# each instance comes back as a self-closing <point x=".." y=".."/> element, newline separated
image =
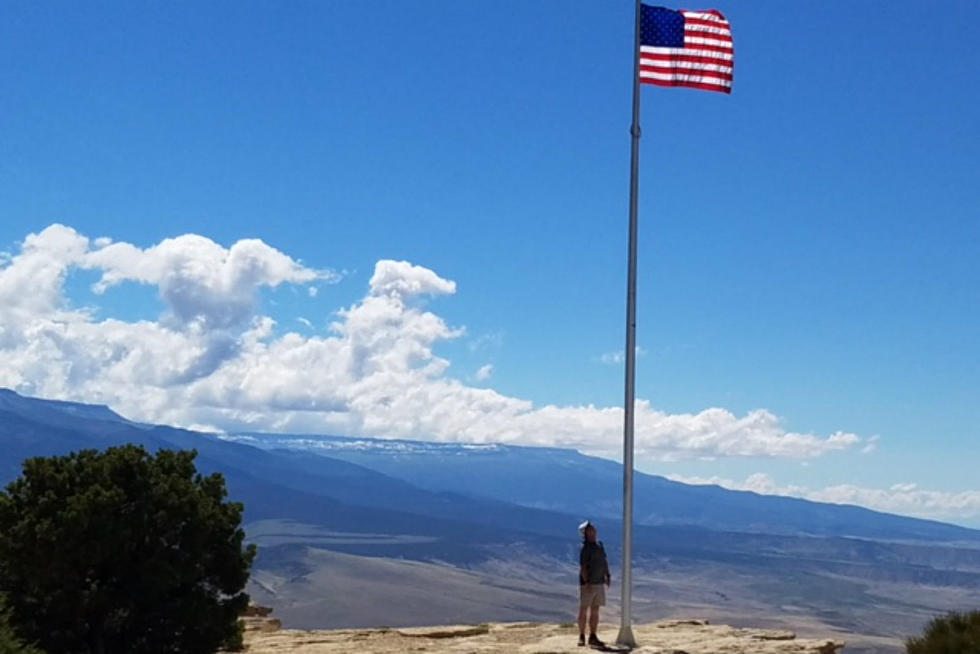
<point x="954" y="633"/>
<point x="9" y="642"/>
<point x="123" y="551"/>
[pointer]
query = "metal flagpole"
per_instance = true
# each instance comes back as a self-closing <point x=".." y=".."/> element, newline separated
<point x="625" y="637"/>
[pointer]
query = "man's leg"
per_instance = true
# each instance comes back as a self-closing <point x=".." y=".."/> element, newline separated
<point x="594" y="620"/>
<point x="593" y="626"/>
<point x="581" y="621"/>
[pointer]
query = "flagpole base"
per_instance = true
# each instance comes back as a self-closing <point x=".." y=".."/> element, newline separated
<point x="625" y="637"/>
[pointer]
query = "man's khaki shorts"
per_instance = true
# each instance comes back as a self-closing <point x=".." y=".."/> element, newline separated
<point x="592" y="595"/>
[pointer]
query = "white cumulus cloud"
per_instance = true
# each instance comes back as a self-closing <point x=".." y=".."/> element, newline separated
<point x="400" y="278"/>
<point x="485" y="372"/>
<point x="211" y="359"/>
<point x="199" y="280"/>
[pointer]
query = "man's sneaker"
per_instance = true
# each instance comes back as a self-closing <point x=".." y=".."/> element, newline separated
<point x="595" y="642"/>
<point x="581" y="640"/>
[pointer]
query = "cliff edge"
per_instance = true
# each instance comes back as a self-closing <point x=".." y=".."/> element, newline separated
<point x="262" y="634"/>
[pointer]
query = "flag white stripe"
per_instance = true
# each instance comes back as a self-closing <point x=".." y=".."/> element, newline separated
<point x="699" y="40"/>
<point x="716" y="68"/>
<point x="693" y="52"/>
<point x="678" y="77"/>
<point x="707" y="29"/>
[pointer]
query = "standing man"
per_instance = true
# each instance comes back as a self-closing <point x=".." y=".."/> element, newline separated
<point x="593" y="577"/>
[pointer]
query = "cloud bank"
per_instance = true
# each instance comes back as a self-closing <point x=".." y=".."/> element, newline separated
<point x="903" y="499"/>
<point x="212" y="359"/>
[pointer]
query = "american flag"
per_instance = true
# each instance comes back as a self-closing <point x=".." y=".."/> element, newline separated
<point x="686" y="48"/>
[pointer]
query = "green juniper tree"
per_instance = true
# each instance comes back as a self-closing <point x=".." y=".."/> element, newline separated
<point x="123" y="552"/>
<point x="9" y="642"/>
<point x="953" y="633"/>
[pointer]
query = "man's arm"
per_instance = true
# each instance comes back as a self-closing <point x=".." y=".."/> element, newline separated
<point x="607" y="577"/>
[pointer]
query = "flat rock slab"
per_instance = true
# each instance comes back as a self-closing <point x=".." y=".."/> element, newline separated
<point x="455" y="631"/>
<point x="668" y="637"/>
<point x="261" y="624"/>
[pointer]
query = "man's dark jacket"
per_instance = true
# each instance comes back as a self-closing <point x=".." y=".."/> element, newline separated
<point x="593" y="560"/>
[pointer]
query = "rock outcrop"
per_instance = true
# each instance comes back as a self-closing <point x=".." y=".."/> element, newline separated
<point x="256" y="618"/>
<point x="666" y="637"/>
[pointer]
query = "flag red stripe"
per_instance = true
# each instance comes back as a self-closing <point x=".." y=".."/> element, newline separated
<point x="691" y="59"/>
<point x="719" y="57"/>
<point x="694" y="78"/>
<point x="706" y="23"/>
<point x="691" y="13"/>
<point x="693" y="85"/>
<point x="705" y="46"/>
<point x="661" y="70"/>
<point x="706" y="34"/>
<point x="725" y="41"/>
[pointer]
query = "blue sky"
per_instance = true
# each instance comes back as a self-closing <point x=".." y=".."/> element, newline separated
<point x="808" y="245"/>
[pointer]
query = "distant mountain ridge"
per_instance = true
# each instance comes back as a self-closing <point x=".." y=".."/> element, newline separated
<point x="567" y="481"/>
<point x="55" y="411"/>
<point x="539" y="489"/>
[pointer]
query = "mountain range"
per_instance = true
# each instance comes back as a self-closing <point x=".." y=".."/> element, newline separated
<point x="569" y="482"/>
<point x="371" y="532"/>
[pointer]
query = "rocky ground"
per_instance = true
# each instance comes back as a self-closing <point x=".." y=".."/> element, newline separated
<point x="264" y="634"/>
